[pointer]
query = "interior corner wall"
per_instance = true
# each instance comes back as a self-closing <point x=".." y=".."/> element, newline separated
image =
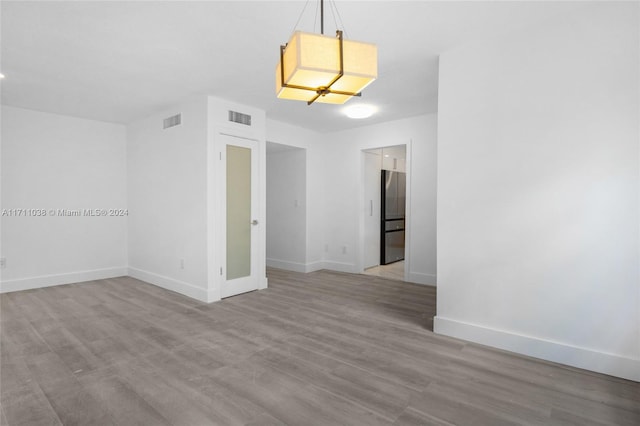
<point x="59" y="174"/>
<point x="343" y="208"/>
<point x="313" y="203"/>
<point x="538" y="191"/>
<point x="286" y="209"/>
<point x="167" y="199"/>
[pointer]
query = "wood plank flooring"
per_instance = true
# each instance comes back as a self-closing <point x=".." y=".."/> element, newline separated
<point x="324" y="348"/>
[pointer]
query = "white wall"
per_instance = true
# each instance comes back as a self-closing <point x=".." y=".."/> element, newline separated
<point x="167" y="198"/>
<point x="286" y="209"/>
<point x="219" y="130"/>
<point x="316" y="170"/>
<point x="53" y="162"/>
<point x="538" y="182"/>
<point x="344" y="205"/>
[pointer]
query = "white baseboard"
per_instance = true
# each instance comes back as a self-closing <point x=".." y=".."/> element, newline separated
<point x="340" y="267"/>
<point x="8" y="286"/>
<point x="286" y="265"/>
<point x="186" y="289"/>
<point x="588" y="359"/>
<point x="212" y="296"/>
<point x="314" y="266"/>
<point x="296" y="266"/>
<point x="420" y="278"/>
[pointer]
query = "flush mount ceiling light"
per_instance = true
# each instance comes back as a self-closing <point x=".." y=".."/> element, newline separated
<point x="319" y="68"/>
<point x="359" y="111"/>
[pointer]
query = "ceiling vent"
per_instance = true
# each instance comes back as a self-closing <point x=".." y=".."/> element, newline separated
<point x="174" y="120"/>
<point x="238" y="117"/>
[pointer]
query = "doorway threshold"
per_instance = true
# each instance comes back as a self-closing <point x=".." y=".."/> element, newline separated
<point x="394" y="271"/>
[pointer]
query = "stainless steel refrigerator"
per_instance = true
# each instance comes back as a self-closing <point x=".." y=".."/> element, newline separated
<point x="392" y="220"/>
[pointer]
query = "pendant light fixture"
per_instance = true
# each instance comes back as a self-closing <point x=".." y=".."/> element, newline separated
<point x="318" y="68"/>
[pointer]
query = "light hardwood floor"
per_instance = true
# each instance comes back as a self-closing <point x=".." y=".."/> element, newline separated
<point x="393" y="271"/>
<point x="323" y="348"/>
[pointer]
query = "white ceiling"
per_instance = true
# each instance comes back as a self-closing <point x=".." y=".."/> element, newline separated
<point x="119" y="61"/>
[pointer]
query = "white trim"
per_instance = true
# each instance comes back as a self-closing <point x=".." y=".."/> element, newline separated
<point x="167" y="283"/>
<point x="420" y="278"/>
<point x="314" y="266"/>
<point x="589" y="359"/>
<point x="340" y="267"/>
<point x="213" y="295"/>
<point x="286" y="265"/>
<point x="408" y="213"/>
<point x="222" y="138"/>
<point x="214" y="277"/>
<point x="295" y="266"/>
<point x="8" y="286"/>
<point x="263" y="283"/>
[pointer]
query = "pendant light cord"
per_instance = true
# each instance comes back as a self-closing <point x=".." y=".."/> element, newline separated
<point x="315" y="17"/>
<point x="320" y="8"/>
<point x="300" y="17"/>
<point x="334" y="12"/>
<point x="322" y="17"/>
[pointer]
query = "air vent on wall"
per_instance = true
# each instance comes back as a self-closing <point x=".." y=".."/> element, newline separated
<point x="172" y="121"/>
<point x="238" y="117"/>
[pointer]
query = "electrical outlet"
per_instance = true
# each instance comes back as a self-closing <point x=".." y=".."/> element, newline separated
<point x="3" y="262"/>
<point x="181" y="263"/>
<point x="344" y="249"/>
<point x="326" y="248"/>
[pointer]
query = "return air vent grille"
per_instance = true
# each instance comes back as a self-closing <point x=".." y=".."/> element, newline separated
<point x="238" y="117"/>
<point x="174" y="120"/>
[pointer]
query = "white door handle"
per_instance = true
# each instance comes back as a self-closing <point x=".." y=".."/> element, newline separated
<point x="254" y="222"/>
<point x="370" y="207"/>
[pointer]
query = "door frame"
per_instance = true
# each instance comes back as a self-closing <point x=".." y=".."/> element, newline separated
<point x="363" y="201"/>
<point x="368" y="208"/>
<point x="217" y="210"/>
<point x="250" y="282"/>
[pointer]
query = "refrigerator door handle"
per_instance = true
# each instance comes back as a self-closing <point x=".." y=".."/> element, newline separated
<point x="370" y="207"/>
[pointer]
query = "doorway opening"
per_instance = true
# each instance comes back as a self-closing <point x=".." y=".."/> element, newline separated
<point x="385" y="220"/>
<point x="286" y="206"/>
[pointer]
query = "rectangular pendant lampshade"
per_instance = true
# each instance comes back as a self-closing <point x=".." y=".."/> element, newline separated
<point x="313" y="61"/>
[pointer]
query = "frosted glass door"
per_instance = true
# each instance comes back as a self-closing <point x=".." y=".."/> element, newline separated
<point x="241" y="225"/>
<point x="238" y="212"/>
